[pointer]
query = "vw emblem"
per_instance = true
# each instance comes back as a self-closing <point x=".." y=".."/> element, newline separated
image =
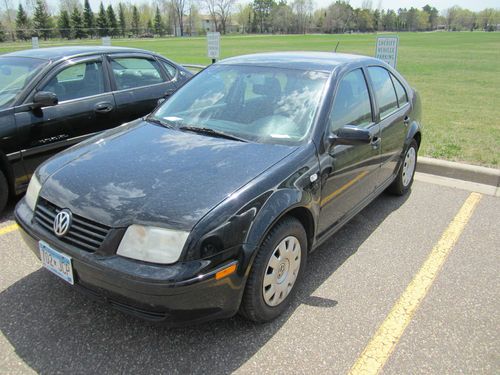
<point x="62" y="222"/>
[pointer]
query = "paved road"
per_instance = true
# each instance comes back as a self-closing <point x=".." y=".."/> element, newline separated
<point x="353" y="282"/>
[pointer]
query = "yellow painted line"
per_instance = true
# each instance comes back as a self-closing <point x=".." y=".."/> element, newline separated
<point x="8" y="229"/>
<point x="328" y="198"/>
<point x="380" y="347"/>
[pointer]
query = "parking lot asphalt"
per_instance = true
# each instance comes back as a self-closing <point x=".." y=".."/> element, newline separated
<point x="353" y="282"/>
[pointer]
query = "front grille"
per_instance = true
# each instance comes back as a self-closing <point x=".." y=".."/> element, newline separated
<point x="83" y="233"/>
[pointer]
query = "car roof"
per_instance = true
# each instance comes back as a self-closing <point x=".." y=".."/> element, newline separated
<point x="303" y="60"/>
<point x="58" y="53"/>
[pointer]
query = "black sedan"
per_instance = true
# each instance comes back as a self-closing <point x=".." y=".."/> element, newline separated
<point x="211" y="204"/>
<point x="52" y="98"/>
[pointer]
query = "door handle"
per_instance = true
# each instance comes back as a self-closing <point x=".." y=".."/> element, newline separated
<point x="406" y="121"/>
<point x="103" y="107"/>
<point x="376" y="141"/>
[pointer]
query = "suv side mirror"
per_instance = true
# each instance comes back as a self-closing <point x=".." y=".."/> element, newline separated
<point x="44" y="99"/>
<point x="351" y="135"/>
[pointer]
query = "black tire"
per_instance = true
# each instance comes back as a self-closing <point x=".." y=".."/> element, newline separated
<point x="4" y="191"/>
<point x="402" y="184"/>
<point x="253" y="305"/>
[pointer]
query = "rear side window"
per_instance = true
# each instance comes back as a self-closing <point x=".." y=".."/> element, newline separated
<point x="130" y="72"/>
<point x="400" y="92"/>
<point x="77" y="81"/>
<point x="352" y="102"/>
<point x="169" y="68"/>
<point x="384" y="90"/>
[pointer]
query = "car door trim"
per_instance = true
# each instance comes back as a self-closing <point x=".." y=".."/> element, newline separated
<point x="50" y="146"/>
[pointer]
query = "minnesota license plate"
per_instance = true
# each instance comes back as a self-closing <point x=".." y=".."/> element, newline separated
<point x="56" y="262"/>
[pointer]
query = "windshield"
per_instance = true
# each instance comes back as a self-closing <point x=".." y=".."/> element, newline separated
<point x="15" y="74"/>
<point x="253" y="103"/>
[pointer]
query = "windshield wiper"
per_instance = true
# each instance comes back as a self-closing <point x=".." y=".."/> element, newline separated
<point x="157" y="121"/>
<point x="211" y="132"/>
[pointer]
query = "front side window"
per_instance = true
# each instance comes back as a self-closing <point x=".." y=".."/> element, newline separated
<point x="15" y="74"/>
<point x="261" y="104"/>
<point x="130" y="72"/>
<point x="77" y="81"/>
<point x="384" y="90"/>
<point x="351" y="105"/>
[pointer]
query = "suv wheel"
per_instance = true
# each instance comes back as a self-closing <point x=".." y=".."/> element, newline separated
<point x="4" y="191"/>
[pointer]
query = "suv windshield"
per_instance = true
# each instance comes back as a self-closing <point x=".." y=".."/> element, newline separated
<point x="254" y="103"/>
<point x="15" y="74"/>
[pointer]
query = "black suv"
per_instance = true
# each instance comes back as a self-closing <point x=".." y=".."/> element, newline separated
<point x="52" y="98"/>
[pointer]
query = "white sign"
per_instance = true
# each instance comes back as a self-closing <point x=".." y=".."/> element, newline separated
<point x="387" y="49"/>
<point x="213" y="45"/>
<point x="34" y="42"/>
<point x="106" y="41"/>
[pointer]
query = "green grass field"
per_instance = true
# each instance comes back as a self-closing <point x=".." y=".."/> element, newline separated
<point x="457" y="75"/>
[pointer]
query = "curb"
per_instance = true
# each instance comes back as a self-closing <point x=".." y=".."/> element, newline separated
<point x="460" y="171"/>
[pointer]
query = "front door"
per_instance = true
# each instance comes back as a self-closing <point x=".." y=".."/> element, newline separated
<point x="348" y="173"/>
<point x="85" y="106"/>
<point x="394" y="111"/>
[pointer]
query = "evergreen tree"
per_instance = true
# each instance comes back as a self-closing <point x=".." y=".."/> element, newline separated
<point x="2" y="33"/>
<point x="135" y="21"/>
<point x="22" y="23"/>
<point x="121" y="19"/>
<point x="63" y="25"/>
<point x="42" y="21"/>
<point x="88" y="18"/>
<point x="149" y="26"/>
<point x="159" y="27"/>
<point x="112" y="23"/>
<point x="77" y="24"/>
<point x="102" y="22"/>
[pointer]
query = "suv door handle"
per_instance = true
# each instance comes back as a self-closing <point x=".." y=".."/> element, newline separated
<point x="103" y="107"/>
<point x="376" y="141"/>
<point x="406" y="121"/>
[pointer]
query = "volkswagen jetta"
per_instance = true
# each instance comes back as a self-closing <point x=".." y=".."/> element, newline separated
<point x="211" y="204"/>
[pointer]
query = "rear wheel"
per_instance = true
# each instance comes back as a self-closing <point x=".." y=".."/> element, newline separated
<point x="404" y="179"/>
<point x="276" y="271"/>
<point x="4" y="191"/>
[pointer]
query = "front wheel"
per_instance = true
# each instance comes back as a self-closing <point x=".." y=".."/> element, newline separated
<point x="404" y="179"/>
<point x="276" y="271"/>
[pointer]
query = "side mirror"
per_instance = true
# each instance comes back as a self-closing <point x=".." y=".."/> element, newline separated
<point x="44" y="99"/>
<point x="351" y="135"/>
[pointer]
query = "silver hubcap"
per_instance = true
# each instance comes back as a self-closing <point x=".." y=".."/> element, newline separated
<point x="409" y="166"/>
<point x="281" y="271"/>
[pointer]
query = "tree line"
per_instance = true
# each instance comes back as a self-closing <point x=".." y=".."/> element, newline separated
<point x="76" y="20"/>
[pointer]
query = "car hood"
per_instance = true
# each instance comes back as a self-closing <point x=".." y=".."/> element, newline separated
<point x="153" y="175"/>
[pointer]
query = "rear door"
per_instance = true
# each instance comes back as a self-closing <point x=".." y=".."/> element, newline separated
<point x="85" y="107"/>
<point x="393" y="111"/>
<point x="138" y="82"/>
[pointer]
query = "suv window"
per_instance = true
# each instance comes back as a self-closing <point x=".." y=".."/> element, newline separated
<point x="400" y="91"/>
<point x="77" y="81"/>
<point x="352" y="102"/>
<point x="133" y="72"/>
<point x="384" y="90"/>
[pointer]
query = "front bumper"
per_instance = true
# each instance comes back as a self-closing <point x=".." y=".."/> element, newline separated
<point x="178" y="294"/>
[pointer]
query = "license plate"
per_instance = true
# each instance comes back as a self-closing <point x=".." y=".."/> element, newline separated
<point x="56" y="262"/>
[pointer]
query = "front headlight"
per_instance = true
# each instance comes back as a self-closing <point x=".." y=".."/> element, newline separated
<point x="32" y="192"/>
<point x="151" y="244"/>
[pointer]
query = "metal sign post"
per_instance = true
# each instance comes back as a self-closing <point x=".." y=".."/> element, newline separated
<point x="34" y="42"/>
<point x="387" y="49"/>
<point x="106" y="41"/>
<point x="213" y="46"/>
